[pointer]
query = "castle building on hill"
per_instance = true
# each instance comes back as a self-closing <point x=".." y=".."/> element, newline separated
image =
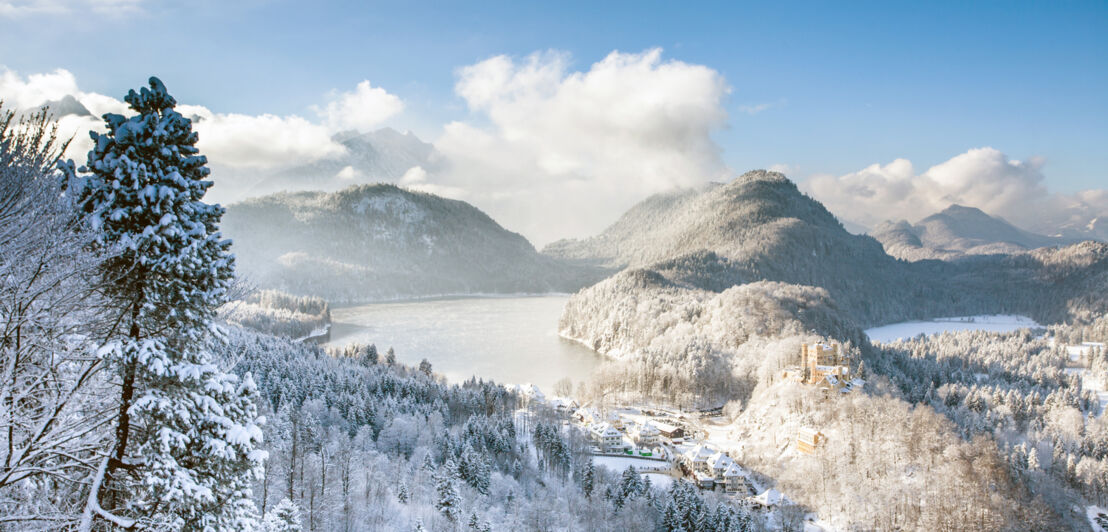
<point x="824" y="365"/>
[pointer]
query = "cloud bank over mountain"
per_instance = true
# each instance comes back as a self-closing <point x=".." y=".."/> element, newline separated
<point x="548" y="143"/>
<point x="230" y="140"/>
<point x="548" y="150"/>
<point x="554" y="150"/>
<point x="984" y="178"/>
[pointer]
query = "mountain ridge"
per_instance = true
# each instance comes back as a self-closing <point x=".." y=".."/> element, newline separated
<point x="958" y="231"/>
<point x="371" y="242"/>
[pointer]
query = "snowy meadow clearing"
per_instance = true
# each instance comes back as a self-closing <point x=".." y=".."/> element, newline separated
<point x="507" y="339"/>
<point x="909" y="329"/>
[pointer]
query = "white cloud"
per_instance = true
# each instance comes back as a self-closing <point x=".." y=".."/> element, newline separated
<point x="555" y="152"/>
<point x="262" y="141"/>
<point x="230" y="140"/>
<point x="413" y="176"/>
<point x="366" y="108"/>
<point x="348" y="173"/>
<point x="982" y="177"/>
<point x="28" y="8"/>
<point x="753" y="109"/>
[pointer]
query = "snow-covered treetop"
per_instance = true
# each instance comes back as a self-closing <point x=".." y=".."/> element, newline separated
<point x="143" y="189"/>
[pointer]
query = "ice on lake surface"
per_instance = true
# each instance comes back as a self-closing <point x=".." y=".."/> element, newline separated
<point x="512" y="340"/>
<point x="909" y="329"/>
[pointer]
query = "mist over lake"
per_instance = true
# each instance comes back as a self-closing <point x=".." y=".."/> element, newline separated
<point x="506" y="339"/>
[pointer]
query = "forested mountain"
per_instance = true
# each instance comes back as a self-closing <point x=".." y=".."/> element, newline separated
<point x="958" y="231"/>
<point x="761" y="227"/>
<point x="724" y="284"/>
<point x="381" y="241"/>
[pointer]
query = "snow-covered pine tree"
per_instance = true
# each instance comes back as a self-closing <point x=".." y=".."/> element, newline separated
<point x="186" y="434"/>
<point x="448" y="500"/>
<point x="588" y="479"/>
<point x="285" y="517"/>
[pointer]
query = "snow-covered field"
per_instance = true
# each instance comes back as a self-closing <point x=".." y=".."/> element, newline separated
<point x="909" y="329"/>
<point x="619" y="463"/>
<point x="660" y="480"/>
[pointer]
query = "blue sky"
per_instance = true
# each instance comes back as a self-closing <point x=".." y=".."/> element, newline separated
<point x="837" y="86"/>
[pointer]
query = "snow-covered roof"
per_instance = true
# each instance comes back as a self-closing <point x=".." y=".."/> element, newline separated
<point x="562" y="402"/>
<point x="771" y="497"/>
<point x="719" y="460"/>
<point x="605" y="430"/>
<point x="853" y="384"/>
<point x="665" y="427"/>
<point x="732" y="471"/>
<point x="699" y="453"/>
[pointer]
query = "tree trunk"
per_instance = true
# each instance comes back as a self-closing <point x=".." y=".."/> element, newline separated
<point x="126" y="396"/>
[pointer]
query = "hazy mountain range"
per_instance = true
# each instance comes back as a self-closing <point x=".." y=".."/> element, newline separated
<point x="371" y="242"/>
<point x="958" y="231"/>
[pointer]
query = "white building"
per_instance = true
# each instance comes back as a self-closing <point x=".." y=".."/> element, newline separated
<point x="770" y="498"/>
<point x="606" y="437"/>
<point x="718" y="464"/>
<point x="735" y="480"/>
<point x="563" y="405"/>
<point x="588" y="416"/>
<point x="697" y="459"/>
<point x="646" y="435"/>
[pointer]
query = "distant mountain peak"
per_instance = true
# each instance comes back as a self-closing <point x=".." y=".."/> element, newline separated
<point x="956" y="231"/>
<point x="66" y="106"/>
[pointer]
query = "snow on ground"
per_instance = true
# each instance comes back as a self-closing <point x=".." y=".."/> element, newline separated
<point x="909" y="329"/>
<point x="1098" y="518"/>
<point x="619" y="463"/>
<point x="660" y="480"/>
<point x="1091" y="383"/>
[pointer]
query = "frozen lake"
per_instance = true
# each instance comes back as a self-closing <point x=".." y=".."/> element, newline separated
<point x="909" y="329"/>
<point x="512" y="340"/>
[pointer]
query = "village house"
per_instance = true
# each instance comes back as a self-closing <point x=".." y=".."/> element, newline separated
<point x="735" y="480"/>
<point x="588" y="416"/>
<point x="697" y="459"/>
<point x="668" y="431"/>
<point x="646" y="435"/>
<point x="770" y="498"/>
<point x="615" y="420"/>
<point x="563" y="405"/>
<point x="718" y="464"/>
<point x="607" y="438"/>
